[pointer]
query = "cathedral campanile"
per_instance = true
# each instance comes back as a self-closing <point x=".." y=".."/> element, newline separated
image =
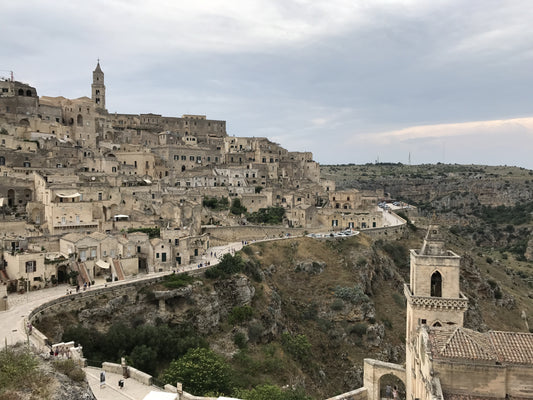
<point x="98" y="88"/>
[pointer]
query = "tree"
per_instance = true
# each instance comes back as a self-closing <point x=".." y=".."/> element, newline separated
<point x="236" y="207"/>
<point x="201" y="371"/>
<point x="144" y="358"/>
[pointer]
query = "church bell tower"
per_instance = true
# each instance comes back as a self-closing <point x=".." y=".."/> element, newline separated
<point x="433" y="296"/>
<point x="98" y="88"/>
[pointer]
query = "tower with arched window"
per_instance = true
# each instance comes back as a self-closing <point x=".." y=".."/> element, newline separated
<point x="98" y="88"/>
<point x="433" y="295"/>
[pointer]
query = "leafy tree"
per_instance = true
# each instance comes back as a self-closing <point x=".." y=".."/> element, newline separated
<point x="201" y="371"/>
<point x="215" y="203"/>
<point x="269" y="215"/>
<point x="227" y="266"/>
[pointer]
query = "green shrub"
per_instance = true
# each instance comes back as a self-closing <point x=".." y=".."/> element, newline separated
<point x="354" y="295"/>
<point x="359" y="328"/>
<point x="177" y="281"/>
<point x="240" y="340"/>
<point x="240" y="314"/>
<point x="17" y="366"/>
<point x="296" y="345"/>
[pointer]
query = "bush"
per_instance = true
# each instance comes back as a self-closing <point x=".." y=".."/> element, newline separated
<point x="240" y="314"/>
<point x="359" y="328"/>
<point x="17" y="366"/>
<point x="177" y="281"/>
<point x="354" y="295"/>
<point x="240" y="340"/>
<point x="298" y="346"/>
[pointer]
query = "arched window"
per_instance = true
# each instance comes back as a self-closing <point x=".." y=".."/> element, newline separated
<point x="80" y="120"/>
<point x="2" y="160"/>
<point x="436" y="284"/>
<point x="21" y="92"/>
<point x="437" y="324"/>
<point x="28" y="93"/>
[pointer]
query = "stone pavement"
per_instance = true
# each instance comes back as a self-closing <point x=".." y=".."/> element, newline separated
<point x="132" y="390"/>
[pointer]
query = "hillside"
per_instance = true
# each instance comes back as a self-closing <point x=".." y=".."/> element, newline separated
<point x="300" y="312"/>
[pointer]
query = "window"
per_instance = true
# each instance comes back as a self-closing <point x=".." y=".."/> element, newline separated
<point x="176" y="242"/>
<point x="156" y="255"/>
<point x="93" y="253"/>
<point x="184" y="158"/>
<point x="99" y="196"/>
<point x="31" y="266"/>
<point x="436" y="284"/>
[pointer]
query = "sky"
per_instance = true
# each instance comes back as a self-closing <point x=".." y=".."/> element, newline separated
<point x="353" y="81"/>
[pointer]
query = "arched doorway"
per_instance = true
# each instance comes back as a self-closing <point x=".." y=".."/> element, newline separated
<point x="62" y="275"/>
<point x="391" y="387"/>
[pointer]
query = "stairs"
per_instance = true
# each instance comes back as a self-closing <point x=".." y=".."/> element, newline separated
<point x="83" y="276"/>
<point x="118" y="270"/>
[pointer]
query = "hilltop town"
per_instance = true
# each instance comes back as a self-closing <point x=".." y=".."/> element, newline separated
<point x="88" y="194"/>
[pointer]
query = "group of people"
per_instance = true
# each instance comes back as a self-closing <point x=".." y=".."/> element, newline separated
<point x="61" y="351"/>
<point x="86" y="285"/>
<point x="391" y="392"/>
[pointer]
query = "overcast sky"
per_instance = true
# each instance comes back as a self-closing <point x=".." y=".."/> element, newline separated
<point x="353" y="81"/>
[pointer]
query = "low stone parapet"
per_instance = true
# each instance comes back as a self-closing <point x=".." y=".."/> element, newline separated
<point x="358" y="394"/>
<point x="133" y="373"/>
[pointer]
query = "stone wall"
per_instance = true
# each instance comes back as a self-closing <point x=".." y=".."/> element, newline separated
<point x="133" y="373"/>
<point x="224" y="235"/>
<point x="81" y="300"/>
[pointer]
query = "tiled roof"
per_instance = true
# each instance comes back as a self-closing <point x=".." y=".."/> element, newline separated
<point x="513" y="347"/>
<point x="462" y="343"/>
<point x="456" y="396"/>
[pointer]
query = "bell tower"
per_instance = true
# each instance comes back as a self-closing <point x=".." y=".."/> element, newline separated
<point x="98" y="88"/>
<point x="433" y="296"/>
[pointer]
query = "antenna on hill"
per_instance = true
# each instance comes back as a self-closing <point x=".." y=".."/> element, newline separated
<point x="409" y="158"/>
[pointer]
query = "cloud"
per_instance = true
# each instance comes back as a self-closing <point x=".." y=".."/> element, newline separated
<point x="487" y="128"/>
